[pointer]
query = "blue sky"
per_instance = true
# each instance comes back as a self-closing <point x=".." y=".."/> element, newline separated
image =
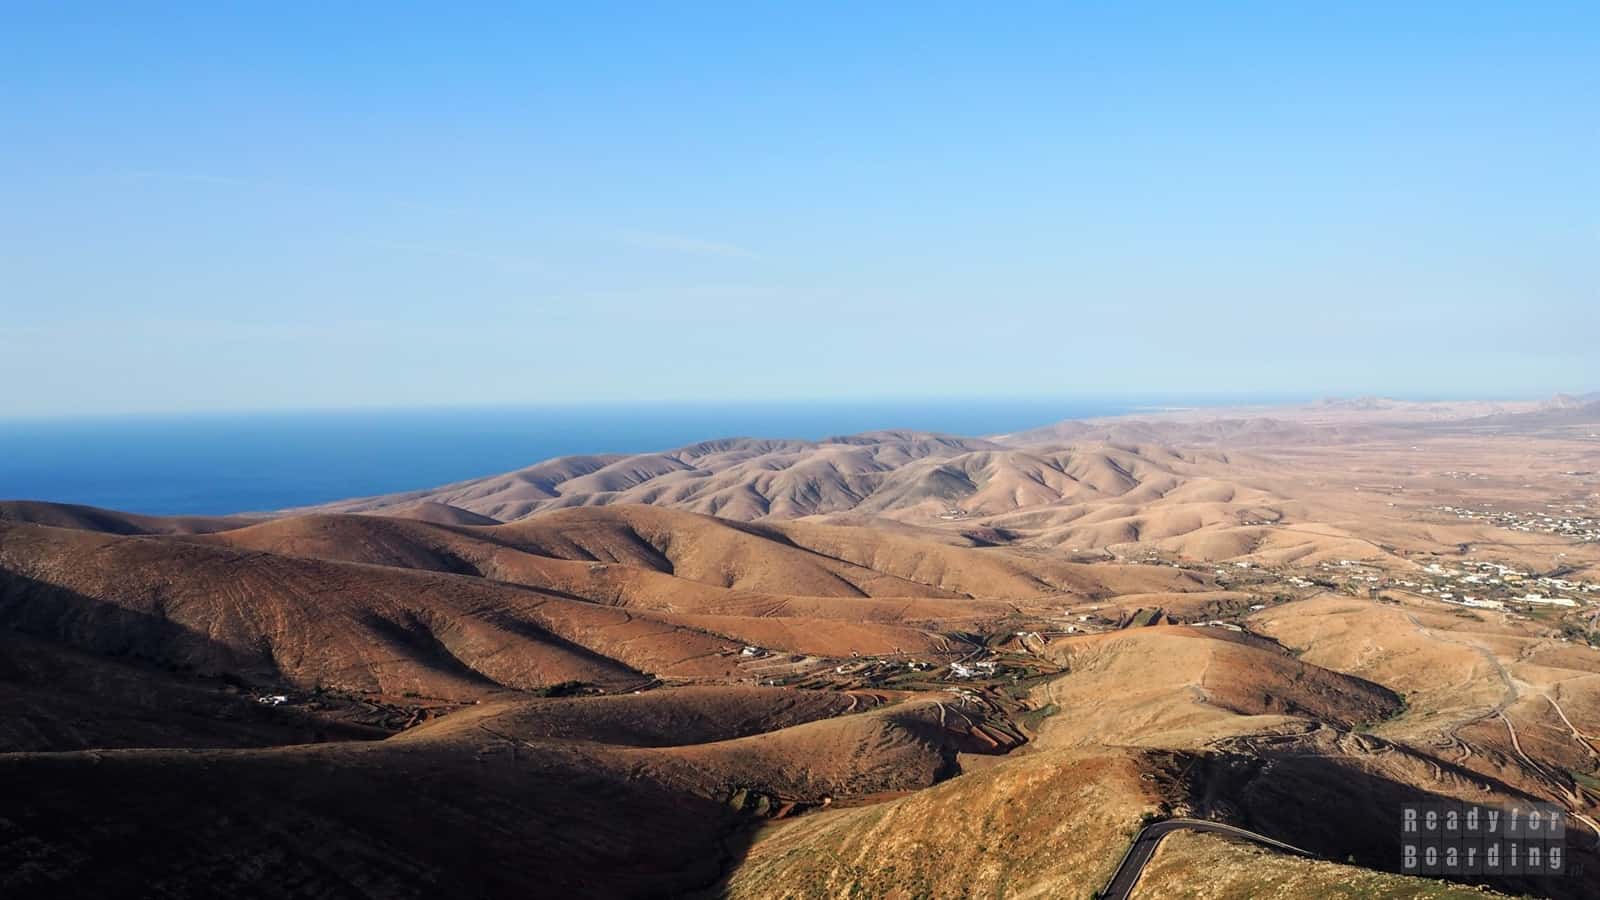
<point x="288" y="206"/>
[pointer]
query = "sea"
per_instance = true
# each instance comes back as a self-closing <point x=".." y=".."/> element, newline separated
<point x="216" y="463"/>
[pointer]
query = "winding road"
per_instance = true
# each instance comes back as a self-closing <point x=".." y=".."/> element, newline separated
<point x="1568" y="794"/>
<point x="1120" y="887"/>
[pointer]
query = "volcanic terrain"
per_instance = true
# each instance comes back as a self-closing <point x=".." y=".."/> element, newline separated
<point x="888" y="664"/>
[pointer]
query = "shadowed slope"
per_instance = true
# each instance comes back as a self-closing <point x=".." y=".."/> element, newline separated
<point x="314" y="622"/>
<point x="691" y="548"/>
<point x="1053" y="822"/>
<point x="53" y="697"/>
<point x="1209" y="683"/>
<point x="483" y="818"/>
<point x="110" y="521"/>
<point x="515" y="803"/>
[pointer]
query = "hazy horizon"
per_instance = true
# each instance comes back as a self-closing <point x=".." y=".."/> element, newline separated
<point x="1130" y="402"/>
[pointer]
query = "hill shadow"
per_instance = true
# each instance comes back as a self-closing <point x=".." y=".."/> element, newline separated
<point x="43" y="610"/>
<point x="1346" y="814"/>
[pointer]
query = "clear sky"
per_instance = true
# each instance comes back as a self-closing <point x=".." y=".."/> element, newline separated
<point x="285" y="205"/>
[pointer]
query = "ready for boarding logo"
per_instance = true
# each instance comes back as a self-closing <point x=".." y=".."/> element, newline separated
<point x="1468" y="839"/>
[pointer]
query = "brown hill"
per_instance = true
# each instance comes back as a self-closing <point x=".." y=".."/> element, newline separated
<point x="110" y="521"/>
<point x="692" y="548"/>
<point x="1195" y="865"/>
<point x="889" y="473"/>
<point x="592" y="796"/>
<point x="683" y="562"/>
<point x="895" y="664"/>
<point x="53" y="697"/>
<point x="1094" y="497"/>
<point x="672" y="717"/>
<point x="1051" y="824"/>
<point x="485" y="817"/>
<point x="1210" y="682"/>
<point x="702" y="549"/>
<point x="440" y="514"/>
<point x="312" y="623"/>
<point x="812" y="589"/>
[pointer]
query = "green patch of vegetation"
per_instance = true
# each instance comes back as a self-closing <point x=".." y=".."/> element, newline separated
<point x="908" y="679"/>
<point x="1143" y="617"/>
<point x="1545" y="615"/>
<point x="1033" y="717"/>
<point x="1574" y="630"/>
<point x="1022" y="687"/>
<point x="559" y="689"/>
<point x="1588" y="781"/>
<point x="1401" y="708"/>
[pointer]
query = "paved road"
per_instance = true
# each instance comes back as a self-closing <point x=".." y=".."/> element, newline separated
<point x="1120" y="887"/>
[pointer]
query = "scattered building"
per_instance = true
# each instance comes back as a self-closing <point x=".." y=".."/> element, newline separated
<point x="981" y="669"/>
<point x="1566" y="520"/>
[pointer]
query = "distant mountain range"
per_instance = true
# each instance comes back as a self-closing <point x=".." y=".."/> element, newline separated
<point x="1060" y="472"/>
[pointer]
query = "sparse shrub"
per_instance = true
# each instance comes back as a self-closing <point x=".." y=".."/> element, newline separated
<point x="560" y="689"/>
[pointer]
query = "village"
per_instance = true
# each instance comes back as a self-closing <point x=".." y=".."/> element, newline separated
<point x="1569" y="520"/>
<point x="997" y="668"/>
<point x="1491" y="585"/>
<point x="1472" y="583"/>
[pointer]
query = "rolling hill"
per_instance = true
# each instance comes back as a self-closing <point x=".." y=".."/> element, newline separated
<point x="889" y="664"/>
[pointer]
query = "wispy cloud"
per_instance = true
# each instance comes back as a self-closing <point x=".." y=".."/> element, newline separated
<point x="682" y="243"/>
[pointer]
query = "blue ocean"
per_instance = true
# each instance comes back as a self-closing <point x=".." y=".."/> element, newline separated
<point x="217" y="464"/>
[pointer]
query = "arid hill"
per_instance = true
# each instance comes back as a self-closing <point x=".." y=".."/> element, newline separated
<point x="891" y="664"/>
<point x="90" y="518"/>
<point x="440" y="514"/>
<point x="1297" y="486"/>
<point x="913" y="477"/>
<point x="311" y="623"/>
